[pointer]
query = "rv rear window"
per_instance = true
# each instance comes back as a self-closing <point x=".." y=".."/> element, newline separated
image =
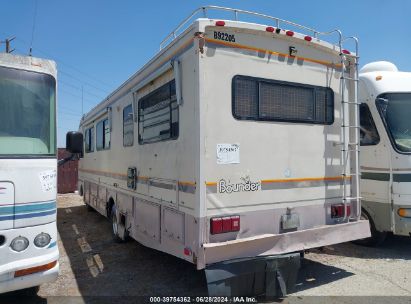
<point x="103" y="135"/>
<point x="271" y="100"/>
<point x="128" y="126"/>
<point x="158" y="115"/>
<point x="89" y="140"/>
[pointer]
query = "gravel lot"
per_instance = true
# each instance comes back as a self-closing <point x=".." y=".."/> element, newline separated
<point x="92" y="265"/>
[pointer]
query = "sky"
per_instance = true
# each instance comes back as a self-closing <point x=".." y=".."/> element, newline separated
<point x="98" y="44"/>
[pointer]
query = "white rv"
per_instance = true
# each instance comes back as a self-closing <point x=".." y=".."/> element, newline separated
<point x="234" y="149"/>
<point x="28" y="231"/>
<point x="385" y="94"/>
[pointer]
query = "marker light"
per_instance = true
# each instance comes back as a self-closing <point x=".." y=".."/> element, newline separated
<point x="347" y="52"/>
<point x="42" y="240"/>
<point x="224" y="224"/>
<point x="220" y="23"/>
<point x="270" y="29"/>
<point x="308" y="38"/>
<point x="337" y="211"/>
<point x="289" y="33"/>
<point x="35" y="269"/>
<point x="187" y="251"/>
<point x="403" y="212"/>
<point x="19" y="243"/>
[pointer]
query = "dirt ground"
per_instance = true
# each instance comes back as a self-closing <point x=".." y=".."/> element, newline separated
<point x="92" y="266"/>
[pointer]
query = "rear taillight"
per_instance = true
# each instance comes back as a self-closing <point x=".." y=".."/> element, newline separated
<point x="224" y="224"/>
<point x="337" y="211"/>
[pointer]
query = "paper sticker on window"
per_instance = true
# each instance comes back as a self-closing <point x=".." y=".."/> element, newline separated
<point x="228" y="154"/>
<point x="48" y="180"/>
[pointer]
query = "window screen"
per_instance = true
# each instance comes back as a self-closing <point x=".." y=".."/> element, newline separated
<point x="270" y="100"/>
<point x="158" y="115"/>
<point x="368" y="131"/>
<point x="128" y="126"/>
<point x="103" y="135"/>
<point x="89" y="140"/>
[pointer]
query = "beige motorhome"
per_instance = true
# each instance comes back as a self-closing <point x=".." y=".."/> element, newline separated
<point x="235" y="148"/>
<point x="385" y="149"/>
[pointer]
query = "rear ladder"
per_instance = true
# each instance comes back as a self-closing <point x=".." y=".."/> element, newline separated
<point x="350" y="133"/>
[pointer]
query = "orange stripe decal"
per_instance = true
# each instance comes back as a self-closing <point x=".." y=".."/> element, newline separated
<point x="114" y="174"/>
<point x="101" y="172"/>
<point x="308" y="179"/>
<point x="187" y="183"/>
<point x="250" y="48"/>
<point x="293" y="180"/>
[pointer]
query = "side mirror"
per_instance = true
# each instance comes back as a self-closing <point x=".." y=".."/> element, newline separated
<point x="74" y="142"/>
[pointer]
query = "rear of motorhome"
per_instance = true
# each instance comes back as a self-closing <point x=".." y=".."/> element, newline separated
<point x="234" y="148"/>
<point x="385" y="96"/>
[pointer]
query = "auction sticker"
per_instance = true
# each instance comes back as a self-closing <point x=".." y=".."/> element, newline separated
<point x="48" y="180"/>
<point x="228" y="154"/>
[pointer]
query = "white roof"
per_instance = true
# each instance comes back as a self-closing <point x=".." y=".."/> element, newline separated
<point x="28" y="63"/>
<point x="383" y="77"/>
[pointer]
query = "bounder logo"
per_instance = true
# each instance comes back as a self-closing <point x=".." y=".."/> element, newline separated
<point x="245" y="185"/>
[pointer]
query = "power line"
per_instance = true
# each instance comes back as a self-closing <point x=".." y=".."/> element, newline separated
<point x="72" y="67"/>
<point x="78" y="96"/>
<point x="85" y="82"/>
<point x="69" y="109"/>
<point x="69" y="65"/>
<point x="79" y="89"/>
<point x="70" y="114"/>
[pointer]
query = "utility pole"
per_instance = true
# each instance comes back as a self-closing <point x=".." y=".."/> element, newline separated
<point x="7" y="42"/>
<point x="8" y="50"/>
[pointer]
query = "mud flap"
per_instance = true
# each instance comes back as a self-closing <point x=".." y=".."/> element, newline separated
<point x="269" y="276"/>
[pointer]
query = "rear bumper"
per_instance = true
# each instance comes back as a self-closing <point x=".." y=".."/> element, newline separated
<point x="275" y="244"/>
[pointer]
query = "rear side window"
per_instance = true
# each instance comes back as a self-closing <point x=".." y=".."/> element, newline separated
<point x="128" y="126"/>
<point x="103" y="135"/>
<point x="271" y="100"/>
<point x="158" y="115"/>
<point x="368" y="131"/>
<point x="89" y="140"/>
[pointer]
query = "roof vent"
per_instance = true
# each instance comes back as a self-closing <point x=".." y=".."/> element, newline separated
<point x="379" y="66"/>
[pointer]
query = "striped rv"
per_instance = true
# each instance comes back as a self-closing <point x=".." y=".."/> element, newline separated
<point x="28" y="232"/>
<point x="234" y="148"/>
<point x="385" y="96"/>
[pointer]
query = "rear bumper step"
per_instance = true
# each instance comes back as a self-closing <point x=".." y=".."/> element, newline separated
<point x="277" y="244"/>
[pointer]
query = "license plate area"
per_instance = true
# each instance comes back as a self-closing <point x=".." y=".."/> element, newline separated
<point x="290" y="221"/>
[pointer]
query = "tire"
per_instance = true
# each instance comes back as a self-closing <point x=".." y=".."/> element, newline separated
<point x="377" y="237"/>
<point x="119" y="233"/>
<point x="30" y="292"/>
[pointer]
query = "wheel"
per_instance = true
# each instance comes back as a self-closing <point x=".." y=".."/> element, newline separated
<point x="119" y="232"/>
<point x="376" y="238"/>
